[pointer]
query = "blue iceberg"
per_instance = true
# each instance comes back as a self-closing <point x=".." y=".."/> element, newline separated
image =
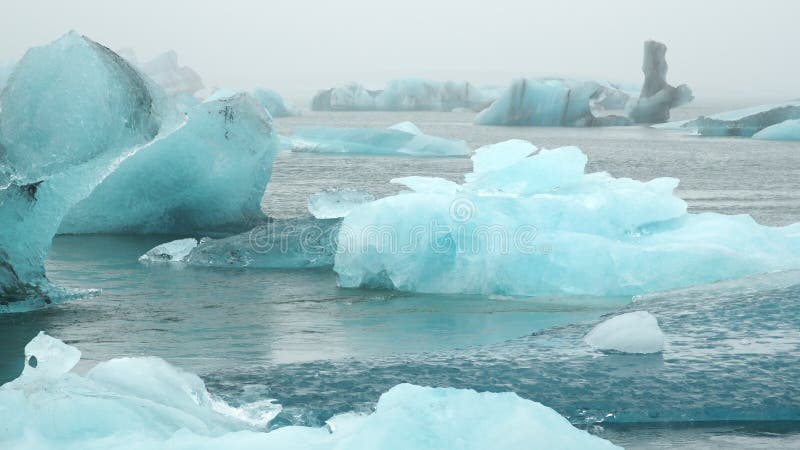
<point x="221" y="157"/>
<point x="657" y="96"/>
<point x="532" y="222"/>
<point x="405" y="94"/>
<point x="788" y="130"/>
<point x="746" y="122"/>
<point x="553" y="102"/>
<point x="273" y="103"/>
<point x="73" y="111"/>
<point x="400" y="139"/>
<point x="145" y="402"/>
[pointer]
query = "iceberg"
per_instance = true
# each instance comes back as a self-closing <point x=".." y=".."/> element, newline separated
<point x="657" y="96"/>
<point x="746" y="122"/>
<point x="145" y="402"/>
<point x="532" y="222"/>
<point x="400" y="139"/>
<point x="550" y="102"/>
<point x="633" y="332"/>
<point x="788" y="130"/>
<point x="173" y="78"/>
<point x="5" y="73"/>
<point x="207" y="177"/>
<point x="277" y="244"/>
<point x="273" y="103"/>
<point x="405" y="94"/>
<point x="73" y="111"/>
<point x="336" y="203"/>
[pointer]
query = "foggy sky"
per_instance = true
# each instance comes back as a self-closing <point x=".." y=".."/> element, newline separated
<point x="720" y="48"/>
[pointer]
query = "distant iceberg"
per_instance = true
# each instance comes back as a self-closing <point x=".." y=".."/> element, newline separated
<point x="554" y="102"/>
<point x="745" y="122"/>
<point x="208" y="177"/>
<point x="532" y="222"/>
<point x="73" y="111"/>
<point x="406" y="94"/>
<point x="176" y="80"/>
<point x="144" y="402"/>
<point x="657" y="96"/>
<point x="400" y="139"/>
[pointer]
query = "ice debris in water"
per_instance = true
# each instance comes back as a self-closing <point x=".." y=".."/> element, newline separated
<point x="277" y="244"/>
<point x="400" y="139"/>
<point x="657" y="96"/>
<point x="335" y="203"/>
<point x="73" y="111"/>
<point x="405" y="94"/>
<point x="788" y="130"/>
<point x="532" y="222"/>
<point x="175" y="251"/>
<point x="633" y="332"/>
<point x="147" y="403"/>
<point x="746" y="122"/>
<point x="554" y="102"/>
<point x="207" y="177"/>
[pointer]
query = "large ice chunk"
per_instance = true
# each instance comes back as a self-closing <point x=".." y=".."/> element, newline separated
<point x="746" y="122"/>
<point x="399" y="139"/>
<point x="73" y="111"/>
<point x="209" y="176"/>
<point x="531" y="225"/>
<point x="405" y="94"/>
<point x="274" y="103"/>
<point x="173" y="78"/>
<point x="335" y="203"/>
<point x="633" y="332"/>
<point x="147" y="403"/>
<point x="788" y="130"/>
<point x="5" y="73"/>
<point x="277" y="244"/>
<point x="657" y="96"/>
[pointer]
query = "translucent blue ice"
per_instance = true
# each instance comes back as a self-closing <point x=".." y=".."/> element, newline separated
<point x="405" y="94"/>
<point x="530" y="222"/>
<point x="273" y="103"/>
<point x="788" y="130"/>
<point x="400" y="139"/>
<point x="207" y="177"/>
<point x="145" y="402"/>
<point x="73" y="111"/>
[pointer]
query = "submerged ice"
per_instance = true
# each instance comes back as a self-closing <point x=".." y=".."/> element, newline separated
<point x="73" y="111"/>
<point x="400" y="139"/>
<point x="146" y="402"/>
<point x="530" y="222"/>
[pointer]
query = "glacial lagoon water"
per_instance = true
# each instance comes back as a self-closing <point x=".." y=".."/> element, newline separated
<point x="729" y="375"/>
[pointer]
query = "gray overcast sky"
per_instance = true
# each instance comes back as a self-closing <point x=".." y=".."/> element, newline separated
<point x="721" y="48"/>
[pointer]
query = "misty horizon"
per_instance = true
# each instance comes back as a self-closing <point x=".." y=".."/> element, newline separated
<point x="288" y="48"/>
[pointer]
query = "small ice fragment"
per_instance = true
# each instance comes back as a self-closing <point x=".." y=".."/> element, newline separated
<point x="633" y="332"/>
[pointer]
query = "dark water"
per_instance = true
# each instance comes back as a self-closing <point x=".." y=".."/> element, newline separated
<point x="730" y="376"/>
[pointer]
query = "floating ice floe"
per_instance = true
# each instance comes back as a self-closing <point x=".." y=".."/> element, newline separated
<point x="336" y="203"/>
<point x="400" y="139"/>
<point x="277" y="244"/>
<point x="145" y="402"/>
<point x="207" y="177"/>
<point x="657" y="96"/>
<point x="633" y="332"/>
<point x="532" y="222"/>
<point x="406" y="94"/>
<point x="747" y="122"/>
<point x="73" y="111"/>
